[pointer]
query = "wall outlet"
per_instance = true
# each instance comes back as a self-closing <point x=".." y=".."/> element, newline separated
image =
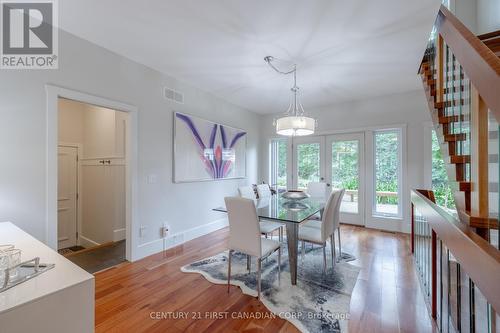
<point x="142" y="231"/>
<point x="165" y="230"/>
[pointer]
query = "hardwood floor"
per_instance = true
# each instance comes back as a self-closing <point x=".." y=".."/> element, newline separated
<point x="387" y="296"/>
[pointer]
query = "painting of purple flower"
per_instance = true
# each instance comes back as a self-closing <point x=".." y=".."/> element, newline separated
<point x="219" y="149"/>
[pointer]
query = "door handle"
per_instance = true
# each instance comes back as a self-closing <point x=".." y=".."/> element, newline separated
<point x="101" y="161"/>
<point x="327" y="184"/>
<point x="108" y="161"/>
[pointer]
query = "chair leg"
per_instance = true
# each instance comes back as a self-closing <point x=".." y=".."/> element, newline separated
<point x="340" y="245"/>
<point x="229" y="270"/>
<point x="324" y="258"/>
<point x="248" y="263"/>
<point x="259" y="266"/>
<point x="332" y="245"/>
<point x="303" y="251"/>
<point x="279" y="264"/>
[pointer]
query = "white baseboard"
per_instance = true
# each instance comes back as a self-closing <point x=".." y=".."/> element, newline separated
<point x="86" y="242"/>
<point x="119" y="234"/>
<point x="157" y="245"/>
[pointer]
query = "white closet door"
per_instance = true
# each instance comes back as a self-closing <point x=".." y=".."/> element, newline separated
<point x="97" y="203"/>
<point x="103" y="201"/>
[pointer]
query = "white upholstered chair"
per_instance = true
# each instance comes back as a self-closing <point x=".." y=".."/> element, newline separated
<point x="316" y="189"/>
<point x="263" y="191"/>
<point x="320" y="235"/>
<point x="268" y="227"/>
<point x="336" y="223"/>
<point x="246" y="192"/>
<point x="244" y="236"/>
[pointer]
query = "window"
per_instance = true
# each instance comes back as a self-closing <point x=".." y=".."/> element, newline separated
<point x="308" y="161"/>
<point x="440" y="185"/>
<point x="387" y="161"/>
<point x="278" y="163"/>
<point x="345" y="173"/>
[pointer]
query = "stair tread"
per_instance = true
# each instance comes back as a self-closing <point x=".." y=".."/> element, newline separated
<point x="459" y="159"/>
<point x="490" y="222"/>
<point x="488" y="35"/>
<point x="451" y="119"/>
<point x="455" y="137"/>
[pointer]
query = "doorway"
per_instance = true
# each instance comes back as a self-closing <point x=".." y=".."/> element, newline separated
<point x="345" y="168"/>
<point x="92" y="163"/>
<point x="337" y="160"/>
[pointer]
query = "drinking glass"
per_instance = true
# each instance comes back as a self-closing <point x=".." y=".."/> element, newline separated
<point x="6" y="247"/>
<point x="14" y="260"/>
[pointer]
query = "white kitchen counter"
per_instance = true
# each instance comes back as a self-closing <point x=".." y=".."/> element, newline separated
<point x="58" y="300"/>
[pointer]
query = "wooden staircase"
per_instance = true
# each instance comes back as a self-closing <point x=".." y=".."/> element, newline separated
<point x="461" y="77"/>
<point x="492" y="40"/>
<point x="448" y="89"/>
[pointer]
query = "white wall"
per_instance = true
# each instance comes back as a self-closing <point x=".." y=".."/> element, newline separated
<point x="409" y="108"/>
<point x="466" y="12"/>
<point x="488" y="16"/>
<point x="71" y="118"/>
<point x="94" y="70"/>
<point x="479" y="16"/>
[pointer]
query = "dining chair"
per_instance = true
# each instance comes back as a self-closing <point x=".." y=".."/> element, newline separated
<point x="320" y="235"/>
<point x="263" y="191"/>
<point x="336" y="225"/>
<point x="269" y="227"/>
<point x="244" y="236"/>
<point x="246" y="192"/>
<point x="316" y="189"/>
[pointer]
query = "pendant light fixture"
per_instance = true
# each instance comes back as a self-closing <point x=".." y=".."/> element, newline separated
<point x="294" y="122"/>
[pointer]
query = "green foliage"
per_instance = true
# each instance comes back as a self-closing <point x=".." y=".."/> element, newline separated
<point x="345" y="170"/>
<point x="281" y="181"/>
<point x="308" y="159"/>
<point x="440" y="186"/>
<point x="386" y="165"/>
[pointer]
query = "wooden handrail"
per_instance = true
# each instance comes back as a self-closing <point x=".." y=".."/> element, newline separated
<point x="479" y="259"/>
<point x="480" y="64"/>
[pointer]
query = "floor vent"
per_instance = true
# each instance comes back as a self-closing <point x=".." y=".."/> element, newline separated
<point x="173" y="95"/>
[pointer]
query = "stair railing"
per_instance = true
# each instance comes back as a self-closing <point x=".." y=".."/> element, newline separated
<point x="461" y="77"/>
<point x="459" y="270"/>
<point x="480" y="63"/>
<point x="457" y="257"/>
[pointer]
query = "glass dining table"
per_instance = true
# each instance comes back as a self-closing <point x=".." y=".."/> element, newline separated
<point x="291" y="213"/>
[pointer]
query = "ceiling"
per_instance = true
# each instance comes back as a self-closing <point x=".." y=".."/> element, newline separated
<point x="345" y="50"/>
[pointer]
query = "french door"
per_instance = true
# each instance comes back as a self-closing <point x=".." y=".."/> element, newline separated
<point x="308" y="161"/>
<point x="345" y="168"/>
<point x="337" y="160"/>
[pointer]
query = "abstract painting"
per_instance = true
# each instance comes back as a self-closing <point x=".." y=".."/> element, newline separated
<point x="204" y="150"/>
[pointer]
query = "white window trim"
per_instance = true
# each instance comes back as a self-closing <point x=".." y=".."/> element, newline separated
<point x="288" y="160"/>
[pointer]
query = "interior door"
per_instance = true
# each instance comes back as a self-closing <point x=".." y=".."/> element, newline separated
<point x="67" y="190"/>
<point x="345" y="169"/>
<point x="308" y="161"/>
